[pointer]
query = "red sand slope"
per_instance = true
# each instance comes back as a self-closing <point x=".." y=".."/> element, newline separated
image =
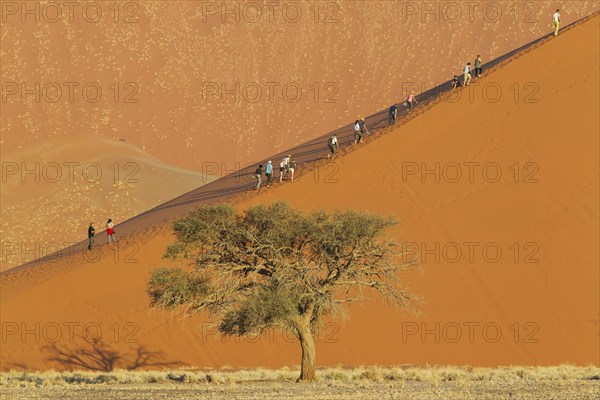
<point x="479" y="311"/>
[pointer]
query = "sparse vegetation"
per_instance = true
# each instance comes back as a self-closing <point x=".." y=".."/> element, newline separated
<point x="275" y="267"/>
<point x="429" y="375"/>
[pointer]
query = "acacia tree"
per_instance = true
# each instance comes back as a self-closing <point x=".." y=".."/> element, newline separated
<point x="273" y="266"/>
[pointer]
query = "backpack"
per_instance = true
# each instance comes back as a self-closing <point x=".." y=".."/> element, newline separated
<point x="330" y="142"/>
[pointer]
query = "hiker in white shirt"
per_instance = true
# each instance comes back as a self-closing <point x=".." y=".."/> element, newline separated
<point x="556" y="20"/>
<point x="467" y="74"/>
<point x="283" y="166"/>
<point x="332" y="143"/>
<point x="358" y="136"/>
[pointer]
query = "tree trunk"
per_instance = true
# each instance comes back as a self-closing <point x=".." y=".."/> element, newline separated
<point x="308" y="370"/>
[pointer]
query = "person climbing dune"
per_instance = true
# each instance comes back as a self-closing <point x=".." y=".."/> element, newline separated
<point x="357" y="133"/>
<point x="332" y="143"/>
<point x="410" y="100"/>
<point x="363" y="128"/>
<point x="269" y="172"/>
<point x="478" y="69"/>
<point x="392" y="114"/>
<point x="556" y="21"/>
<point x="467" y="74"/>
<point x="110" y="230"/>
<point x="258" y="175"/>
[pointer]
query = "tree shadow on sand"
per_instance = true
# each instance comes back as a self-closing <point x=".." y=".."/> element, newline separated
<point x="95" y="354"/>
<point x="13" y="365"/>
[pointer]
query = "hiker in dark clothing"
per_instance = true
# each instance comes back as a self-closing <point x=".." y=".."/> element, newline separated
<point x="478" y="69"/>
<point x="292" y="168"/>
<point x="455" y="82"/>
<point x="258" y="175"/>
<point x="393" y="113"/>
<point x="357" y="133"/>
<point x="363" y="127"/>
<point x="91" y="234"/>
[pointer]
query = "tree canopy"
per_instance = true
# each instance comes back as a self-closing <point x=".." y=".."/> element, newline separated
<point x="274" y="266"/>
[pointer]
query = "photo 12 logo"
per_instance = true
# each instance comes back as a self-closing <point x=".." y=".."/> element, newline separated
<point x="69" y="92"/>
<point x="53" y="12"/>
<point x="69" y="331"/>
<point x="452" y="12"/>
<point x="269" y="92"/>
<point x="470" y="172"/>
<point x="471" y="252"/>
<point x="475" y="92"/>
<point x="270" y="11"/>
<point x="68" y="172"/>
<point x="123" y="251"/>
<point x="469" y="332"/>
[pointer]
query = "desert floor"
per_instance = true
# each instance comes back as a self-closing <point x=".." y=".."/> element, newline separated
<point x="365" y="383"/>
<point x="568" y="390"/>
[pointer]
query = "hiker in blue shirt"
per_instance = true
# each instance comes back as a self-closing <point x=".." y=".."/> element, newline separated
<point x="269" y="172"/>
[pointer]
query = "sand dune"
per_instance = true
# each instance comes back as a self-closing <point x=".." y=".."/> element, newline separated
<point x="528" y="188"/>
<point x="52" y="190"/>
<point x="187" y="78"/>
<point x="193" y="86"/>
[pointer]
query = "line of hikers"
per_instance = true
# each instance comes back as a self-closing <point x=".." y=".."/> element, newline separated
<point x="360" y="129"/>
<point x="287" y="169"/>
<point x="409" y="103"/>
<point x="110" y="232"/>
<point x="467" y="75"/>
<point x="411" y="100"/>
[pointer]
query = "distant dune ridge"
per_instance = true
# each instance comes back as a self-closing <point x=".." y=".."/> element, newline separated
<point x="53" y="189"/>
<point x="510" y="183"/>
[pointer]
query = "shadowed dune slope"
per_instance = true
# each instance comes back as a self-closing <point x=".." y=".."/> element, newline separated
<point x="53" y="189"/>
<point x="513" y="211"/>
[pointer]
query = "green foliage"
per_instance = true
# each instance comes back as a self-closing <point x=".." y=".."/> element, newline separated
<point x="267" y="307"/>
<point x="203" y="225"/>
<point x="272" y="265"/>
<point x="170" y="288"/>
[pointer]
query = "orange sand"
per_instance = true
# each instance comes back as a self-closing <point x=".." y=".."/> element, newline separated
<point x="547" y="311"/>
